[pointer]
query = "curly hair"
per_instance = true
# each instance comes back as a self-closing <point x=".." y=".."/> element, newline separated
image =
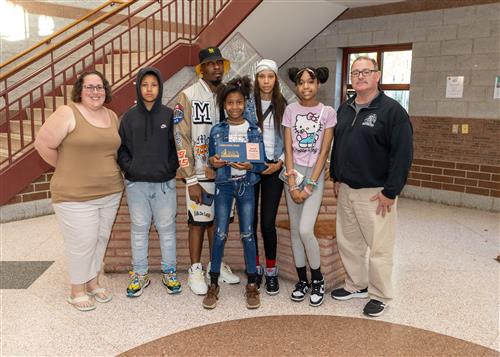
<point x="238" y="84"/>
<point x="320" y="73"/>
<point x="76" y="93"/>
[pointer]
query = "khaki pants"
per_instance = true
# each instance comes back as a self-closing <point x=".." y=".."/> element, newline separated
<point x="360" y="228"/>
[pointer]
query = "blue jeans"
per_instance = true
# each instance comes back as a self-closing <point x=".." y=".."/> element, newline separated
<point x="156" y="200"/>
<point x="245" y="202"/>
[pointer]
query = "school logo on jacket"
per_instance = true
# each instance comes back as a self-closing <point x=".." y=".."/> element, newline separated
<point x="370" y="120"/>
<point x="200" y="112"/>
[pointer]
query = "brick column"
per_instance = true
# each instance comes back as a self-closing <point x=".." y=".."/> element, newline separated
<point x="118" y="255"/>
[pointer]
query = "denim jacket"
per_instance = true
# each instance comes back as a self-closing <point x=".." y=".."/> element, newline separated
<point x="220" y="134"/>
<point x="251" y="114"/>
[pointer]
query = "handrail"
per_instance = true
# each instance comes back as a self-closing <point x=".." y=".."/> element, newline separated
<point x="34" y="88"/>
<point x="123" y="4"/>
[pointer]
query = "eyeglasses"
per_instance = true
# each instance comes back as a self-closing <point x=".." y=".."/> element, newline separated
<point x="364" y="72"/>
<point x="91" y="88"/>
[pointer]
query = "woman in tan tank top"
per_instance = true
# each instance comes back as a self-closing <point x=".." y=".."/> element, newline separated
<point x="81" y="141"/>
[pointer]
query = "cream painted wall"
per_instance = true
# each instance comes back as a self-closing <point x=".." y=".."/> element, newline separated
<point x="278" y="29"/>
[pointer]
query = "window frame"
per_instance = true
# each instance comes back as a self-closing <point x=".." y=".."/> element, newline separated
<point x="379" y="49"/>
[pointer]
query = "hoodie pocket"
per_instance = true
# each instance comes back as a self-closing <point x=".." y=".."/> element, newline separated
<point x="130" y="168"/>
<point x="151" y="167"/>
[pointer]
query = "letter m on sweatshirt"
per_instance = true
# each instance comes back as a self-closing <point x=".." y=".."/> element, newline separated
<point x="200" y="113"/>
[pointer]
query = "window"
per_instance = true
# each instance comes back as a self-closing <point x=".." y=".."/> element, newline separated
<point x="14" y="25"/>
<point x="395" y="63"/>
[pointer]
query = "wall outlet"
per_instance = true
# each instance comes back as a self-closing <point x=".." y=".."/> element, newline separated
<point x="454" y="128"/>
<point x="465" y="128"/>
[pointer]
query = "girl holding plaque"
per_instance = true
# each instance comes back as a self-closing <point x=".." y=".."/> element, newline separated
<point x="235" y="179"/>
<point x="308" y="132"/>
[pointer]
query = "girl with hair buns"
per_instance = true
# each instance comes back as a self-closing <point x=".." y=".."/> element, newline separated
<point x="308" y="136"/>
<point x="234" y="181"/>
<point x="269" y="105"/>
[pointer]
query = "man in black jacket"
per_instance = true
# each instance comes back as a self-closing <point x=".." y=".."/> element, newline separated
<point x="148" y="158"/>
<point x="371" y="158"/>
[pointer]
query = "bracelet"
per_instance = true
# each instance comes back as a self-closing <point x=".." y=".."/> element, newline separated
<point x="311" y="182"/>
<point x="307" y="191"/>
<point x="293" y="188"/>
<point x="291" y="173"/>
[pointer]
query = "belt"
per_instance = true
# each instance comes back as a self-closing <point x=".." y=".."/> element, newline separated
<point x="238" y="177"/>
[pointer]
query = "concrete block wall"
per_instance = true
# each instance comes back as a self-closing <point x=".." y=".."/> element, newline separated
<point x="457" y="41"/>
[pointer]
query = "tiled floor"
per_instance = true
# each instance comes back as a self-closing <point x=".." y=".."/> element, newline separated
<point x="446" y="281"/>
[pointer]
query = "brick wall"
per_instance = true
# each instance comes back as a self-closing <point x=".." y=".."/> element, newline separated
<point x="454" y="176"/>
<point x="118" y="255"/>
<point x="331" y="265"/>
<point x="37" y="190"/>
<point x="458" y="162"/>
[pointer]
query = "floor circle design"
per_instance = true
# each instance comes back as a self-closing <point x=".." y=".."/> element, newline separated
<point x="308" y="335"/>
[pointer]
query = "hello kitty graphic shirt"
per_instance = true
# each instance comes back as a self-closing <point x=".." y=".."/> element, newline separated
<point x="308" y="126"/>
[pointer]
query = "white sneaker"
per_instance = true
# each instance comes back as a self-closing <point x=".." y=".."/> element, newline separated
<point x="196" y="280"/>
<point x="226" y="275"/>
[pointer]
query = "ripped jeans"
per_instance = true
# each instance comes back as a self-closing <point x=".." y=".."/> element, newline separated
<point x="157" y="201"/>
<point x="225" y="192"/>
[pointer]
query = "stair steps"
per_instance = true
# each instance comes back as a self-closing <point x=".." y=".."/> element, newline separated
<point x="15" y="125"/>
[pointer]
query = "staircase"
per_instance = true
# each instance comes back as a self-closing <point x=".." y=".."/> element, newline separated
<point x="133" y="34"/>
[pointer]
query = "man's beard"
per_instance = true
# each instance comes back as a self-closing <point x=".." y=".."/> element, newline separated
<point x="216" y="82"/>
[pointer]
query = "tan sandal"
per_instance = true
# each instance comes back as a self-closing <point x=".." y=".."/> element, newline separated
<point x="94" y="293"/>
<point x="77" y="303"/>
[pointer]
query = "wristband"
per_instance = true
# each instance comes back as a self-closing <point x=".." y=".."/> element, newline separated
<point x="307" y="191"/>
<point x="309" y="181"/>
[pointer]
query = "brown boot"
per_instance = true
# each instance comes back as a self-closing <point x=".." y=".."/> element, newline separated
<point x="253" y="296"/>
<point x="210" y="300"/>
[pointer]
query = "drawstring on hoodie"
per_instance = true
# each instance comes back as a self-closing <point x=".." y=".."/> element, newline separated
<point x="148" y="126"/>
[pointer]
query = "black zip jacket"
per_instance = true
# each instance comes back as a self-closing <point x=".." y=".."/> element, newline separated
<point x="374" y="148"/>
<point x="148" y="152"/>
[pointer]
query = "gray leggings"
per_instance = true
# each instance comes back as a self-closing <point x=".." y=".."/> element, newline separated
<point x="302" y="219"/>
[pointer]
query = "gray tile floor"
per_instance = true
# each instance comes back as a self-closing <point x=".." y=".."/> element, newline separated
<point x="446" y="280"/>
<point x="20" y="275"/>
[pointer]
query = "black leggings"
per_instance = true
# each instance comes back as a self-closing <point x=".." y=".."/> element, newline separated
<point x="270" y="188"/>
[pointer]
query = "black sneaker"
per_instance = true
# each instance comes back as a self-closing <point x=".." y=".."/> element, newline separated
<point x="272" y="283"/>
<point x="374" y="308"/>
<point x="342" y="294"/>
<point x="300" y="291"/>
<point x="258" y="277"/>
<point x="317" y="292"/>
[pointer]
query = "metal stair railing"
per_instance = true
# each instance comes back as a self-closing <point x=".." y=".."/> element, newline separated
<point x="118" y="43"/>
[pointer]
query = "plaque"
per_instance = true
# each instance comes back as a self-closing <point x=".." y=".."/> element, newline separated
<point x="241" y="152"/>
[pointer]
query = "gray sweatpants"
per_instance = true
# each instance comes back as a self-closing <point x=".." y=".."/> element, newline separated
<point x="302" y="219"/>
